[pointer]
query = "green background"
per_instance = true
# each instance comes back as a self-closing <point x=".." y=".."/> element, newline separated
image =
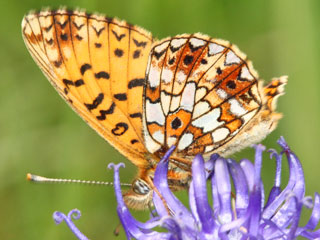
<point x="40" y="134"/>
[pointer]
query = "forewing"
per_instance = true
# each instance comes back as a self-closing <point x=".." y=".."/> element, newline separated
<point x="98" y="66"/>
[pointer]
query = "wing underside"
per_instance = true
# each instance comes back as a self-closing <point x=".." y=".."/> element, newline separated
<point x="98" y="66"/>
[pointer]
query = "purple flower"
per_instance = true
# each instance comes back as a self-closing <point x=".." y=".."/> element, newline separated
<point x="242" y="213"/>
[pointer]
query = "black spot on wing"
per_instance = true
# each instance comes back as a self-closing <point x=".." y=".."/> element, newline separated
<point x="133" y="141"/>
<point x="47" y="29"/>
<point x="104" y="113"/>
<point x="188" y="59"/>
<point x="78" y="27"/>
<point x="159" y="54"/>
<point x="57" y="63"/>
<point x="67" y="82"/>
<point x="136" y="115"/>
<point x="193" y="48"/>
<point x="79" y="37"/>
<point x="84" y="68"/>
<point x="96" y="102"/>
<point x="171" y="61"/>
<point x="176" y="123"/>
<point x="118" y="52"/>
<point x="98" y="32"/>
<point x="79" y="83"/>
<point x="204" y="61"/>
<point x="97" y="45"/>
<point x="63" y="25"/>
<point x="120" y="129"/>
<point x="136" y="54"/>
<point x="137" y="82"/>
<point x="139" y="44"/>
<point x="64" y="37"/>
<point x="76" y="83"/>
<point x="174" y="49"/>
<point x="50" y="41"/>
<point x="118" y="37"/>
<point x="120" y="96"/>
<point x="102" y="74"/>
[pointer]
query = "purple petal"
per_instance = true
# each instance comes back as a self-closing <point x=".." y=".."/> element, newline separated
<point x="222" y="178"/>
<point x="278" y="158"/>
<point x="315" y="215"/>
<point x="276" y="189"/>
<point x="199" y="182"/>
<point x="132" y="227"/>
<point x="248" y="170"/>
<point x="215" y="196"/>
<point x="295" y="186"/>
<point x="255" y="209"/>
<point x="241" y="187"/>
<point x="161" y="184"/>
<point x="294" y="223"/>
<point x="75" y="214"/>
<point x="256" y="196"/>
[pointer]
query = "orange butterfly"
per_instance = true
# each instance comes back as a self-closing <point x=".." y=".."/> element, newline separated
<point x="143" y="96"/>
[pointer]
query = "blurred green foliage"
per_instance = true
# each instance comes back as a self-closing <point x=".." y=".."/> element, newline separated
<point x="39" y="133"/>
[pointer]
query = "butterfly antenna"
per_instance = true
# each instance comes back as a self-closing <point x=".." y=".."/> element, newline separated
<point x="40" y="179"/>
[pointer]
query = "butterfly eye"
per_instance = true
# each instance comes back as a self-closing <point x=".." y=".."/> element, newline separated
<point x="140" y="187"/>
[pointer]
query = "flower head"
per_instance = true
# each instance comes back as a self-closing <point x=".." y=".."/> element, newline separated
<point x="244" y="213"/>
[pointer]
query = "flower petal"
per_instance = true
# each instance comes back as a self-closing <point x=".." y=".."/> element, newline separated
<point x="161" y="183"/>
<point x="241" y="187"/>
<point x="222" y="178"/>
<point x="75" y="214"/>
<point x="199" y="182"/>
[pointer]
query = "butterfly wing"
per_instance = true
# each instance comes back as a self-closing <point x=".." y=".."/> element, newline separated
<point x="200" y="92"/>
<point x="98" y="66"/>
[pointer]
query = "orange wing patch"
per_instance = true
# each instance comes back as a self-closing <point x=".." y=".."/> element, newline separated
<point x="98" y="66"/>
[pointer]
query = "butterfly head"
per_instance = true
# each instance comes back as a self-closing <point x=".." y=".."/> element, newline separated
<point x="139" y="196"/>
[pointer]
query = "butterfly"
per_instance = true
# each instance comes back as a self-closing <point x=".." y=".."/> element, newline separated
<point x="144" y="95"/>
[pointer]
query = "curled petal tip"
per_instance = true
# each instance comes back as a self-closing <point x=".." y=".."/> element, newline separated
<point x="58" y="217"/>
<point x="307" y="201"/>
<point x="273" y="153"/>
<point x="75" y="214"/>
<point x="259" y="146"/>
<point x="282" y="142"/>
<point x="116" y="166"/>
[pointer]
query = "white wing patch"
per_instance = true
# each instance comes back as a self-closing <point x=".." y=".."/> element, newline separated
<point x="246" y="74"/>
<point x="197" y="42"/>
<point x="154" y="77"/>
<point x="154" y="113"/>
<point x="167" y="75"/>
<point x="165" y="102"/>
<point x="200" y="108"/>
<point x="215" y="49"/>
<point x="158" y="136"/>
<point x="231" y="58"/>
<point x="220" y="134"/>
<point x="187" y="99"/>
<point x="209" y="121"/>
<point x="185" y="141"/>
<point x="236" y="108"/>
